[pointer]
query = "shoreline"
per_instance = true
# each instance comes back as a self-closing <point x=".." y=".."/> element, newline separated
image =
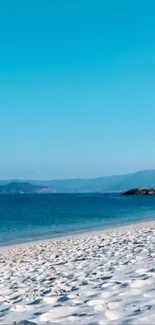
<point x="99" y="277"/>
<point x="77" y="233"/>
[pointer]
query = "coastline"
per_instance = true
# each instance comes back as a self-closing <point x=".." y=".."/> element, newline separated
<point x="100" y="277"/>
<point x="80" y="232"/>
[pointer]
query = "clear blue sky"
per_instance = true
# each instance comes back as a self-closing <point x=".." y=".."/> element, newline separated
<point x="77" y="88"/>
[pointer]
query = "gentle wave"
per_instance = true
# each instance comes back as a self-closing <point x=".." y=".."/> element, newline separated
<point x="29" y="217"/>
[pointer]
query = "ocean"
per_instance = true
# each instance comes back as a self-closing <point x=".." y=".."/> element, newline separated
<point x="29" y="217"/>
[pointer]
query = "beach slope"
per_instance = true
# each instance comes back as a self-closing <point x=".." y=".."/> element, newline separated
<point x="105" y="277"/>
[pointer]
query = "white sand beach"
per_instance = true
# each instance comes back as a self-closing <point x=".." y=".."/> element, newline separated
<point x="105" y="277"/>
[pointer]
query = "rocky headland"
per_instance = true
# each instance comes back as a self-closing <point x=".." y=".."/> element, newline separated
<point x="140" y="191"/>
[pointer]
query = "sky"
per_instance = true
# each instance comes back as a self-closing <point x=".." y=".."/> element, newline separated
<point x="77" y="96"/>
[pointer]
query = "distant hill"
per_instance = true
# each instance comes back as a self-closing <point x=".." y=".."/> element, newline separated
<point x="119" y="183"/>
<point x="23" y="188"/>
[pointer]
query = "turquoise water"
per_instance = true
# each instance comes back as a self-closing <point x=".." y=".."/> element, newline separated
<point x="29" y="217"/>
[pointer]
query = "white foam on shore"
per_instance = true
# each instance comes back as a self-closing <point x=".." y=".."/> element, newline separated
<point x="102" y="277"/>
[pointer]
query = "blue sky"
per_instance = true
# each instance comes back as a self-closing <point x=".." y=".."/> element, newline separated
<point x="77" y="89"/>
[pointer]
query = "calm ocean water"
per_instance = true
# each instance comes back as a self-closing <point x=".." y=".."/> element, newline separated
<point x="29" y="217"/>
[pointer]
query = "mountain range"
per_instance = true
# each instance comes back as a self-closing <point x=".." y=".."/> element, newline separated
<point x="118" y="183"/>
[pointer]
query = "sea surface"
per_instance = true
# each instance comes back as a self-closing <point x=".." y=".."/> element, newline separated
<point x="29" y="217"/>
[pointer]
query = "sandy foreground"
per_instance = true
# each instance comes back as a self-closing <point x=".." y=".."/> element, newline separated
<point x="105" y="277"/>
